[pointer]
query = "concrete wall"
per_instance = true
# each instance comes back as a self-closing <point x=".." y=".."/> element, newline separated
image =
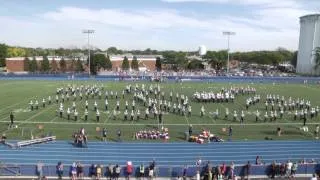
<point x="309" y="39"/>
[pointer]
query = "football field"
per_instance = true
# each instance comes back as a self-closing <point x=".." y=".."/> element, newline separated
<point x="15" y="96"/>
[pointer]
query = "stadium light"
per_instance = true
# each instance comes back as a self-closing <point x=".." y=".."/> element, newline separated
<point x="88" y="32"/>
<point x="228" y="34"/>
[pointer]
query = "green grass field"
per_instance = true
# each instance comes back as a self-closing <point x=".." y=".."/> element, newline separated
<point x="15" y="96"/>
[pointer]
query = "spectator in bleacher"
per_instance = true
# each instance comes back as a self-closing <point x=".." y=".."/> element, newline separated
<point x="92" y="171"/>
<point x="198" y="163"/>
<point x="247" y="169"/>
<point x="73" y="172"/>
<point x="99" y="171"/>
<point x="288" y="168"/>
<point x="273" y="170"/>
<point x="109" y="172"/>
<point x="60" y="170"/>
<point x="40" y="169"/>
<point x="223" y="169"/>
<point x="80" y="172"/>
<point x="152" y="168"/>
<point x="184" y="173"/>
<point x="294" y="169"/>
<point x="129" y="169"/>
<point x="282" y="169"/>
<point x="141" y="171"/>
<point x="231" y="170"/>
<point x="117" y="171"/>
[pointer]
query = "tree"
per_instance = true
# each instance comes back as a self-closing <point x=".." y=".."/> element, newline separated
<point x="112" y="50"/>
<point x="79" y="67"/>
<point x="134" y="63"/>
<point x="63" y="65"/>
<point x="158" y="64"/>
<point x="3" y="54"/>
<point x="294" y="59"/>
<point x="317" y="58"/>
<point x="108" y="63"/>
<point x="45" y="65"/>
<point x="97" y="62"/>
<point x="54" y="65"/>
<point x="26" y="64"/>
<point x="15" y="52"/>
<point x="195" y="64"/>
<point x="33" y="65"/>
<point x="125" y="63"/>
<point x="72" y="65"/>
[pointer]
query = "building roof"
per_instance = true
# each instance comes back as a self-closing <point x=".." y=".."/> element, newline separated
<point x="40" y="58"/>
<point x="310" y="15"/>
<point x="130" y="57"/>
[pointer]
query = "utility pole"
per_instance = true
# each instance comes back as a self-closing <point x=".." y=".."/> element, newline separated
<point x="88" y="32"/>
<point x="228" y="34"/>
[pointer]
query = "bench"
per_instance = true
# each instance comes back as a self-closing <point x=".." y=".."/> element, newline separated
<point x="35" y="141"/>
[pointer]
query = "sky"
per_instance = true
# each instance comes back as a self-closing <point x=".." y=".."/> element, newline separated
<point x="155" y="24"/>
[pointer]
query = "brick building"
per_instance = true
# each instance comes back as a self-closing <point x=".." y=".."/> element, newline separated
<point x="16" y="64"/>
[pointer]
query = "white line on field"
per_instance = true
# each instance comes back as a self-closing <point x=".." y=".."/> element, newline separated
<point x="123" y="124"/>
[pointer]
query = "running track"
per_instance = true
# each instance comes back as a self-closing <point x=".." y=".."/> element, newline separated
<point x="172" y="154"/>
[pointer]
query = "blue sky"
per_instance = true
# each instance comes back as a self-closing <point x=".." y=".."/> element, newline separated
<point x="156" y="24"/>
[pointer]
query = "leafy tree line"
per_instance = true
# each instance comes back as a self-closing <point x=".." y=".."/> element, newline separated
<point x="217" y="59"/>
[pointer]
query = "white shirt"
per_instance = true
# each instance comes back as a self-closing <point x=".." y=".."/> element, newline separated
<point x="289" y="165"/>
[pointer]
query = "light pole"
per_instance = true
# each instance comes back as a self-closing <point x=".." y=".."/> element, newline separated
<point x="228" y="34"/>
<point x="88" y="32"/>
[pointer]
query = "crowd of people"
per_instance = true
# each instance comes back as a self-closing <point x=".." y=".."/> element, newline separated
<point x="153" y="134"/>
<point x="80" y="138"/>
<point x="204" y="136"/>
<point x="201" y="170"/>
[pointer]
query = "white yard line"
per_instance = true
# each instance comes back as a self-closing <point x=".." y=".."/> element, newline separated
<point x="54" y="119"/>
<point x="30" y="118"/>
<point x="129" y="124"/>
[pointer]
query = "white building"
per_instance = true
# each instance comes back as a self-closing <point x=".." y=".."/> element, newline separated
<point x="308" y="41"/>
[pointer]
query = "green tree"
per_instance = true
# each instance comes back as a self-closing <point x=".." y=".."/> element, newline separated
<point x="79" y="67"/>
<point x="15" y="52"/>
<point x="98" y="61"/>
<point x="33" y="65"/>
<point x="294" y="59"/>
<point x="72" y="65"/>
<point x="317" y="58"/>
<point x="158" y="64"/>
<point x="134" y="63"/>
<point x="195" y="65"/>
<point x="26" y="64"/>
<point x="112" y="50"/>
<point x="108" y="63"/>
<point x="3" y="54"/>
<point x="45" y="65"/>
<point x="54" y="65"/>
<point x="63" y="65"/>
<point x="125" y="63"/>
